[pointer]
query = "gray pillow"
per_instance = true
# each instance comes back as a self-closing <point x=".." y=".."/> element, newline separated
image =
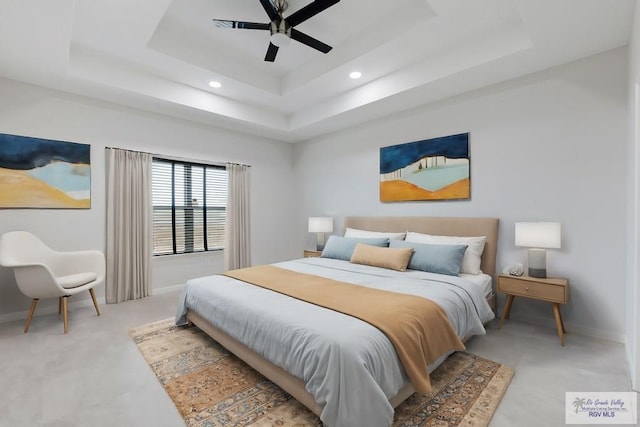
<point x="441" y="259"/>
<point x="338" y="247"/>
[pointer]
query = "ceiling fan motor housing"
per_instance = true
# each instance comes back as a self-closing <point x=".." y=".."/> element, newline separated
<point x="281" y="6"/>
<point x="280" y="32"/>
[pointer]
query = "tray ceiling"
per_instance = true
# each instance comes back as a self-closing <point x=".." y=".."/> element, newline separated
<point x="160" y="55"/>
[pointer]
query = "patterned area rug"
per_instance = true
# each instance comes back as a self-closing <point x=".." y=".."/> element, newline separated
<point x="211" y="387"/>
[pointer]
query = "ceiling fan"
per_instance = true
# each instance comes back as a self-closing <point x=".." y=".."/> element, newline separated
<point x="281" y="28"/>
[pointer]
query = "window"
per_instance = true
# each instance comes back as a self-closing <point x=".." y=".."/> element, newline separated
<point x="189" y="207"/>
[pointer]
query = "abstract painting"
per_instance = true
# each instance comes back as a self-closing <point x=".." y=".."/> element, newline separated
<point x="43" y="173"/>
<point x="431" y="169"/>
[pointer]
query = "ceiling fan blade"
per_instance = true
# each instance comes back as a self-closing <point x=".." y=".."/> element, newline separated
<point x="270" y="9"/>
<point x="271" y="53"/>
<point x="310" y="41"/>
<point x="221" y="23"/>
<point x="309" y="11"/>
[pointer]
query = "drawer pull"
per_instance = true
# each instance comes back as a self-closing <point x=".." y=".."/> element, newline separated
<point x="526" y="289"/>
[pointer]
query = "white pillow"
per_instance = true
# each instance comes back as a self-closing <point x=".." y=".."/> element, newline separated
<point x="471" y="260"/>
<point x="354" y="232"/>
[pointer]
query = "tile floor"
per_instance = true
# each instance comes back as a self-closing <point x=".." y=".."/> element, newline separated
<point x="95" y="376"/>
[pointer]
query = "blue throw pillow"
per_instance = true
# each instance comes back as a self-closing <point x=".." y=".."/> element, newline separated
<point x="441" y="259"/>
<point x="338" y="247"/>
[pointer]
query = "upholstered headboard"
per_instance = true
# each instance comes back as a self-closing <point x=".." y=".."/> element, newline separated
<point x="444" y="226"/>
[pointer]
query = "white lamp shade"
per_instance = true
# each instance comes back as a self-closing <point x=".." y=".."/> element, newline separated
<point x="538" y="234"/>
<point x="320" y="224"/>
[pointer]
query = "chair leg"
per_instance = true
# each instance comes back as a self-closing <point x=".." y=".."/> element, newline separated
<point x="95" y="301"/>
<point x="30" y="315"/>
<point x="64" y="314"/>
<point x="59" y="305"/>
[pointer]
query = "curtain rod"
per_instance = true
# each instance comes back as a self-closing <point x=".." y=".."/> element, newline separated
<point x="179" y="159"/>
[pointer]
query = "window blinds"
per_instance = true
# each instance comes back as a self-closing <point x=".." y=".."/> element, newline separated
<point x="189" y="206"/>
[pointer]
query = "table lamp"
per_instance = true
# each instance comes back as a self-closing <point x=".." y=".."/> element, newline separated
<point x="320" y="225"/>
<point x="538" y="236"/>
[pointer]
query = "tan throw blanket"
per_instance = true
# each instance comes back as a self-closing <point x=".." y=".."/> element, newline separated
<point x="418" y="328"/>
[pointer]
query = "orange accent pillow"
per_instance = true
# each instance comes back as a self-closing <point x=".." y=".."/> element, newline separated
<point x="391" y="258"/>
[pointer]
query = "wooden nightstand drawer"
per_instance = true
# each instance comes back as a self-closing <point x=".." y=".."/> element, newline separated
<point x="553" y="290"/>
<point x="312" y="254"/>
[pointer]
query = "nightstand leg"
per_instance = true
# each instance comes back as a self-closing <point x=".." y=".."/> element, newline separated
<point x="559" y="323"/>
<point x="507" y="310"/>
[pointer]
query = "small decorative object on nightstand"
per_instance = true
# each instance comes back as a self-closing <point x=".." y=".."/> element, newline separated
<point x="312" y="254"/>
<point x="555" y="291"/>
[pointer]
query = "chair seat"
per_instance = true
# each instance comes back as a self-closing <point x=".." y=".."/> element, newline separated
<point x="75" y="280"/>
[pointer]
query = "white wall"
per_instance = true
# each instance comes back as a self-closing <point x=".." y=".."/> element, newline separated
<point x="633" y="195"/>
<point x="34" y="111"/>
<point x="549" y="146"/>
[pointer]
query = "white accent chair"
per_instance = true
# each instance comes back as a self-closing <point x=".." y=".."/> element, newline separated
<point x="42" y="272"/>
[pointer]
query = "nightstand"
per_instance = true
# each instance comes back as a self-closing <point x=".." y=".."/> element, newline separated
<point x="553" y="290"/>
<point x="312" y="254"/>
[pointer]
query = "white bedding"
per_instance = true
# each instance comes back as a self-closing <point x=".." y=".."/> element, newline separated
<point x="482" y="280"/>
<point x="349" y="366"/>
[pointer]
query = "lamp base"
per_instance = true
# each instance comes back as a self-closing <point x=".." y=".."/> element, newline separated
<point x="540" y="273"/>
<point x="320" y="242"/>
<point x="538" y="263"/>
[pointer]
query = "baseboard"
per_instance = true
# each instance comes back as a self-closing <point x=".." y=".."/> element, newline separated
<point x="631" y="366"/>
<point x="573" y="328"/>
<point x="597" y="333"/>
<point x="167" y="289"/>
<point x="48" y="309"/>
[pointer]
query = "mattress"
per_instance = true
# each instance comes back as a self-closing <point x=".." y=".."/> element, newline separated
<point x="349" y="366"/>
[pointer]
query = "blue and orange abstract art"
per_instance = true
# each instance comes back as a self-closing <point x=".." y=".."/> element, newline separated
<point x="431" y="169"/>
<point x="43" y="173"/>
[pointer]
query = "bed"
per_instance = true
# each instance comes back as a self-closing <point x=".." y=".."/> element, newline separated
<point x="344" y="370"/>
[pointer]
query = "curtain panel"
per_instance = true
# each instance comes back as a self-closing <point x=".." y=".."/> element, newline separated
<point x="129" y="225"/>
<point x="237" y="249"/>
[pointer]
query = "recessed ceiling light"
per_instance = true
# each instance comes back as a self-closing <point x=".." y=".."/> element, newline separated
<point x="355" y="74"/>
<point x="214" y="84"/>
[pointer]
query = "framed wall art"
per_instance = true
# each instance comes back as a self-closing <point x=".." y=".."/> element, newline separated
<point x="431" y="169"/>
<point x="44" y="173"/>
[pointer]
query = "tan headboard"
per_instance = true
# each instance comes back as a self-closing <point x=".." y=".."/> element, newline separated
<point x="444" y="226"/>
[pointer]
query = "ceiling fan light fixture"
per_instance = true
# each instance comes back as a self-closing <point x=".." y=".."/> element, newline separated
<point x="280" y="39"/>
<point x="280" y="33"/>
